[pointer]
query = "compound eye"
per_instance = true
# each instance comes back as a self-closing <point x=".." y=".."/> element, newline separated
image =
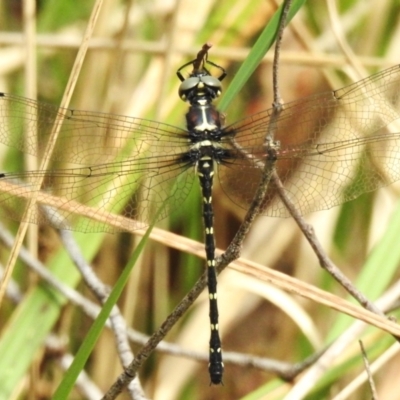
<point x="187" y="85"/>
<point x="211" y="82"/>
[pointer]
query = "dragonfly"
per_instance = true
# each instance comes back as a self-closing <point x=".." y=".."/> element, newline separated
<point x="327" y="149"/>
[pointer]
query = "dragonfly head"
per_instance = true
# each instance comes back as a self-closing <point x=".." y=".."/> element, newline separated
<point x="200" y="86"/>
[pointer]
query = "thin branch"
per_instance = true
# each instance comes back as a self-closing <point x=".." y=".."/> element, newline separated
<point x="307" y="229"/>
<point x="284" y="370"/>
<point x="101" y="291"/>
<point x="324" y="260"/>
<point x="275" y="65"/>
<point x="368" y="371"/>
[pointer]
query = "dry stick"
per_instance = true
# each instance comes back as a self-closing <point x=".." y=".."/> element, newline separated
<point x="283" y="281"/>
<point x="155" y="339"/>
<point x="277" y="105"/>
<point x="255" y="270"/>
<point x="100" y="290"/>
<point x="283" y="369"/>
<point x="183" y="244"/>
<point x="49" y="149"/>
<point x="177" y="242"/>
<point x="323" y="258"/>
<point x="72" y="41"/>
<point x="368" y="371"/>
<point x="29" y="16"/>
<point x="234" y="249"/>
<point x="307" y="229"/>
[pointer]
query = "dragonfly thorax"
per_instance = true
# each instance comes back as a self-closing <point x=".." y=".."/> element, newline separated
<point x="203" y="122"/>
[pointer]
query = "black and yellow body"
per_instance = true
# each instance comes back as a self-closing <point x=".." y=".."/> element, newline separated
<point x="204" y="125"/>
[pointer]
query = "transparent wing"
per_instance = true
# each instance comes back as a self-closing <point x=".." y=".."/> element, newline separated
<point x="334" y="146"/>
<point x="111" y="162"/>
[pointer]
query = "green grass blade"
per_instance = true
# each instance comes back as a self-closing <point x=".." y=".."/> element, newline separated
<point x="91" y="338"/>
<point x="258" y="51"/>
<point x="378" y="271"/>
